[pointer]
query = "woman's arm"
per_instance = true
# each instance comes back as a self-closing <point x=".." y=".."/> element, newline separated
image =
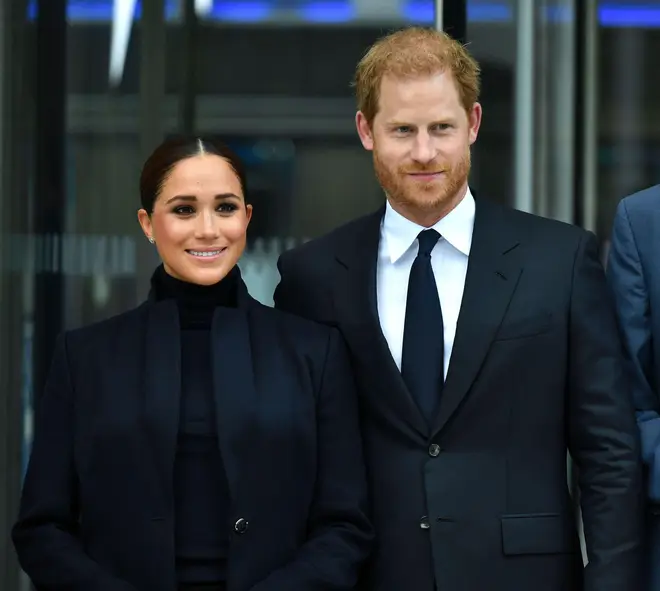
<point x="46" y="534"/>
<point x="340" y="533"/>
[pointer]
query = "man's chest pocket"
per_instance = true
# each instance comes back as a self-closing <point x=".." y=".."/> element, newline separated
<point x="522" y="327"/>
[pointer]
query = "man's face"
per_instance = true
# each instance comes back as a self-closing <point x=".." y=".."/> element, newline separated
<point x="421" y="138"/>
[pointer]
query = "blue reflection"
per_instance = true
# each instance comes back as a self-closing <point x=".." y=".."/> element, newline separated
<point x="489" y="12"/>
<point x="639" y="15"/>
<point x="423" y="12"/>
<point x="558" y="14"/>
<point x="419" y="12"/>
<point x="611" y="13"/>
<point x="328" y="11"/>
<point x="252" y="11"/>
<point x="100" y="10"/>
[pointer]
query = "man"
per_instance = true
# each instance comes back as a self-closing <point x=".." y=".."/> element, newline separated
<point x="634" y="273"/>
<point x="484" y="345"/>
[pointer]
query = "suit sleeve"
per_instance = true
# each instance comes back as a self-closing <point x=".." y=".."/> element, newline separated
<point x="301" y="288"/>
<point x="628" y="284"/>
<point x="603" y="437"/>
<point x="46" y="533"/>
<point x="340" y="534"/>
<point x="285" y="290"/>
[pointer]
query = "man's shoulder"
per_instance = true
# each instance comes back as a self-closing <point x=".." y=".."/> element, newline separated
<point x="646" y="200"/>
<point x="537" y="228"/>
<point x="326" y="245"/>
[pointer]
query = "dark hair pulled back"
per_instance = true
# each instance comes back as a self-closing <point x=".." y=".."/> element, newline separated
<point x="173" y="150"/>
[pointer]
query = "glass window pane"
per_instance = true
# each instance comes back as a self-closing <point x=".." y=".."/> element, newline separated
<point x="628" y="104"/>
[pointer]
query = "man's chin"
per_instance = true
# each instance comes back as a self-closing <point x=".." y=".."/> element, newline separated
<point x="426" y="202"/>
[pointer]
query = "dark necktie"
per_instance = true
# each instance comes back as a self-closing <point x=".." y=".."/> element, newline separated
<point x="422" y="358"/>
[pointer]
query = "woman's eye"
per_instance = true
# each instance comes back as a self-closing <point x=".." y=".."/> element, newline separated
<point x="190" y="210"/>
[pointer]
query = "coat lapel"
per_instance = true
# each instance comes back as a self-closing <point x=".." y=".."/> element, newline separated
<point x="234" y="388"/>
<point x="162" y="381"/>
<point x="357" y="311"/>
<point x="493" y="273"/>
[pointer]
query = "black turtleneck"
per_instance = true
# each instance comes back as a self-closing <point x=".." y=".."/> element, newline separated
<point x="196" y="303"/>
<point x="201" y="495"/>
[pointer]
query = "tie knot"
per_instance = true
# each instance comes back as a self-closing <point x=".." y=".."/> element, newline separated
<point x="427" y="240"/>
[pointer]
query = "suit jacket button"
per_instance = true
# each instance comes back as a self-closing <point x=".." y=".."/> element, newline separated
<point x="241" y="526"/>
<point x="434" y="450"/>
<point x="424" y="522"/>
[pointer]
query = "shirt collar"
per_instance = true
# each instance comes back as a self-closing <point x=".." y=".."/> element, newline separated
<point x="399" y="233"/>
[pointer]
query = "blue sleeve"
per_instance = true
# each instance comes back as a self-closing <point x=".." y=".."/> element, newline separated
<point x="628" y="283"/>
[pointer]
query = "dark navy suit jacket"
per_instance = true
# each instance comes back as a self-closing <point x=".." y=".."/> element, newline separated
<point x="634" y="273"/>
<point x="478" y="500"/>
<point x="97" y="506"/>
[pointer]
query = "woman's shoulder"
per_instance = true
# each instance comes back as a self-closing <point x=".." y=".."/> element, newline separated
<point x="105" y="329"/>
<point x="297" y="327"/>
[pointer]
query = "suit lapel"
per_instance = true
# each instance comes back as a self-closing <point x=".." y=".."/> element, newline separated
<point x="492" y="276"/>
<point x="163" y="385"/>
<point x="357" y="311"/>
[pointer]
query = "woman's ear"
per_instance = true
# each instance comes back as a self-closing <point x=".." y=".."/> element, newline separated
<point x="144" y="220"/>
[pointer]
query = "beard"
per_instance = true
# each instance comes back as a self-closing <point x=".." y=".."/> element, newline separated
<point x="426" y="196"/>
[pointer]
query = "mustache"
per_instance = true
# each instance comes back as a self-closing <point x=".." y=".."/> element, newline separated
<point x="430" y="168"/>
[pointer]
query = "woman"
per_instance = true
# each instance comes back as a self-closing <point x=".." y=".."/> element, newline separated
<point x="202" y="440"/>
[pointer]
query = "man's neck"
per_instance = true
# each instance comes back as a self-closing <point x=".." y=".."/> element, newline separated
<point x="425" y="217"/>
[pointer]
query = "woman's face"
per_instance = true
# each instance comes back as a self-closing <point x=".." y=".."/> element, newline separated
<point x="200" y="219"/>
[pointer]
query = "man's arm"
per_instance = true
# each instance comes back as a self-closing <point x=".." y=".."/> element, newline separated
<point x="628" y="284"/>
<point x="301" y="288"/>
<point x="603" y="437"/>
<point x="285" y="293"/>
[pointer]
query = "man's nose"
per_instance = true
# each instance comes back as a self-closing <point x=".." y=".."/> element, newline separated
<point x="423" y="150"/>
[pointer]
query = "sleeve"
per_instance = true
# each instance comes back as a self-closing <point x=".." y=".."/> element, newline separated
<point x="628" y="284"/>
<point x="284" y="292"/>
<point x="301" y="288"/>
<point x="340" y="535"/>
<point x="46" y="533"/>
<point x="603" y="438"/>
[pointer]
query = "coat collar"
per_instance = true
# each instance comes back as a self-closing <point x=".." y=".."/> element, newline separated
<point x="231" y="288"/>
<point x="234" y="390"/>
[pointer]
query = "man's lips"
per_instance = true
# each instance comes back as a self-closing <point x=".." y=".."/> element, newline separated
<point x="425" y="174"/>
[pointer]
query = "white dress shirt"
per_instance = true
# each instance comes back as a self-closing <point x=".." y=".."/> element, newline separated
<point x="397" y="250"/>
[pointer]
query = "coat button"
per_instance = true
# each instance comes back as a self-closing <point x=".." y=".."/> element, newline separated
<point x="241" y="526"/>
<point x="434" y="450"/>
<point x="424" y="523"/>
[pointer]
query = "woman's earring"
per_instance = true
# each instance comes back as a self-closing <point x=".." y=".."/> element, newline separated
<point x="150" y="239"/>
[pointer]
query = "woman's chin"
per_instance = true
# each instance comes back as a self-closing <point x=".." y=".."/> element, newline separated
<point x="204" y="274"/>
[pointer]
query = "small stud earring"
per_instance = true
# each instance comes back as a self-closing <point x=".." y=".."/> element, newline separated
<point x="151" y="240"/>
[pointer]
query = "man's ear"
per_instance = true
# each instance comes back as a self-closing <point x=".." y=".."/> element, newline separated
<point x="364" y="131"/>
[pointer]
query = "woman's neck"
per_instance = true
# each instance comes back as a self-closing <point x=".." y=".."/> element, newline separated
<point x="196" y="302"/>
